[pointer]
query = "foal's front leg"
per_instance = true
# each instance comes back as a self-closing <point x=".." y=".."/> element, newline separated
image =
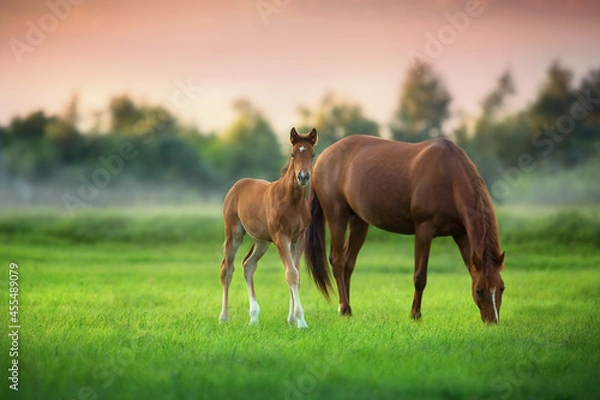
<point x="289" y="257"/>
<point x="296" y="250"/>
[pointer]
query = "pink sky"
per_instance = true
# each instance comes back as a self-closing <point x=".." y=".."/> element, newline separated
<point x="357" y="48"/>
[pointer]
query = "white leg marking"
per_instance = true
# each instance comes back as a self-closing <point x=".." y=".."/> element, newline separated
<point x="291" y="317"/>
<point x="224" y="317"/>
<point x="298" y="311"/>
<point x="494" y="304"/>
<point x="254" y="311"/>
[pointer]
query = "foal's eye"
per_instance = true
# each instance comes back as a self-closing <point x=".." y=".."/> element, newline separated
<point x="313" y="155"/>
<point x="479" y="292"/>
<point x="292" y="155"/>
<point x="502" y="290"/>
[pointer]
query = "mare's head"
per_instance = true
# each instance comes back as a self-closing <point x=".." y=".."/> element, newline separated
<point x="302" y="155"/>
<point x="488" y="286"/>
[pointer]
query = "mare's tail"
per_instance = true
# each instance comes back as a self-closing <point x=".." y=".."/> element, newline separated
<point x="314" y="247"/>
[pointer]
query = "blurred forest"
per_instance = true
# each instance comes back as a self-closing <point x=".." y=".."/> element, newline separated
<point x="546" y="152"/>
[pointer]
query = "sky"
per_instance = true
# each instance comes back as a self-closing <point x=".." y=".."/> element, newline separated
<point x="196" y="57"/>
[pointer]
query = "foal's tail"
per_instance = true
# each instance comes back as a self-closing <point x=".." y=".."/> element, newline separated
<point x="314" y="247"/>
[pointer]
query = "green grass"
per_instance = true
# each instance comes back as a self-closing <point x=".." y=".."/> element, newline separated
<point x="119" y="305"/>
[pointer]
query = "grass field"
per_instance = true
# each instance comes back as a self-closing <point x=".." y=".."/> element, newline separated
<point x="123" y="304"/>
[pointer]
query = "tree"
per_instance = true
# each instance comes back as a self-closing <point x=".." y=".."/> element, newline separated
<point x="336" y="118"/>
<point x="155" y="121"/>
<point x="31" y="127"/>
<point x="249" y="147"/>
<point x="555" y="96"/>
<point x="63" y="134"/>
<point x="124" y="114"/>
<point x="551" y="122"/>
<point x="498" y="138"/>
<point x="423" y="106"/>
<point x="495" y="101"/>
<point x="587" y="95"/>
<point x="64" y="127"/>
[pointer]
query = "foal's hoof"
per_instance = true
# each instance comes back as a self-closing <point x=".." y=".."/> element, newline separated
<point x="223" y="319"/>
<point x="302" y="324"/>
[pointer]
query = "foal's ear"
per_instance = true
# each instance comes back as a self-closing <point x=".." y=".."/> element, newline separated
<point x="294" y="136"/>
<point x="312" y="137"/>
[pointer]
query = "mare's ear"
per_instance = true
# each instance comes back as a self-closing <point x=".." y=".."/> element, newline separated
<point x="294" y="136"/>
<point x="312" y="137"/>
<point x="501" y="259"/>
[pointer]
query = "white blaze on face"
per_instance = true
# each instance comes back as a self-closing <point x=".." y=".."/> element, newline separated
<point x="494" y="303"/>
<point x="302" y="148"/>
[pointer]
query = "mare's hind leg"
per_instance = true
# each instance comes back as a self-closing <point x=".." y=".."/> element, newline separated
<point x="234" y="234"/>
<point x="356" y="239"/>
<point x="423" y="238"/>
<point x="337" y="259"/>
<point x="259" y="248"/>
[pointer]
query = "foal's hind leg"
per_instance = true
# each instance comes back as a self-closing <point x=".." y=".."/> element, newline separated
<point x="234" y="234"/>
<point x="259" y="247"/>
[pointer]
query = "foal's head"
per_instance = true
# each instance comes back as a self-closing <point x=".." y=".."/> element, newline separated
<point x="302" y="154"/>
<point x="488" y="286"/>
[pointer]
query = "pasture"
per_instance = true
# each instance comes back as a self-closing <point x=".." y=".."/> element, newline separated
<point x="124" y="304"/>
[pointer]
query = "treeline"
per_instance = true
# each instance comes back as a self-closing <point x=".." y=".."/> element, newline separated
<point x="559" y="129"/>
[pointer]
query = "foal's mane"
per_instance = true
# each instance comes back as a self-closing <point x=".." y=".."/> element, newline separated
<point x="284" y="169"/>
<point x="483" y="216"/>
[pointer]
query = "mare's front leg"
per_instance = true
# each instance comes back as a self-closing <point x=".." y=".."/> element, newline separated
<point x="289" y="256"/>
<point x="423" y="238"/>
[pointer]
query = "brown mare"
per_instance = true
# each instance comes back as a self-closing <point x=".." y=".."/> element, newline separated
<point x="270" y="212"/>
<point x="428" y="189"/>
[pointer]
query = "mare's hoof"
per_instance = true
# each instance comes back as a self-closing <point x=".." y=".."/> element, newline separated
<point x="345" y="311"/>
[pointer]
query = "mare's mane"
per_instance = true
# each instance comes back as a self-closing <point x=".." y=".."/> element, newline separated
<point x="488" y="250"/>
